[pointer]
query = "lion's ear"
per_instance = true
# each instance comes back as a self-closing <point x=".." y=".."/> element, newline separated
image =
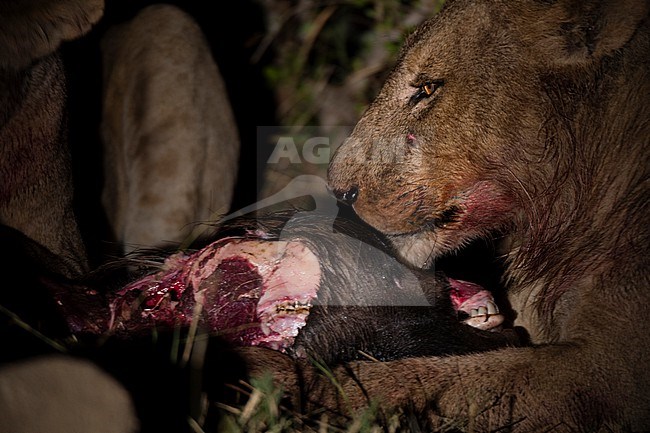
<point x="30" y="29"/>
<point x="579" y="31"/>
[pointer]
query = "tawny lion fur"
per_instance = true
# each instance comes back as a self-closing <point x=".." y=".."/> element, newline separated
<point x="35" y="175"/>
<point x="171" y="144"/>
<point x="528" y="123"/>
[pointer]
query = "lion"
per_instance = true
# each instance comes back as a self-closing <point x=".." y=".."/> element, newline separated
<point x="171" y="144"/>
<point x="526" y="123"/>
<point x="36" y="181"/>
<point x="50" y="393"/>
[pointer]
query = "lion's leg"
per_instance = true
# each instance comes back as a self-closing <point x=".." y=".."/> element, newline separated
<point x="595" y="384"/>
<point x="36" y="194"/>
<point x="551" y="388"/>
<point x="170" y="139"/>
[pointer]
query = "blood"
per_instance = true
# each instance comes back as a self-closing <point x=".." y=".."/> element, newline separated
<point x="239" y="278"/>
<point x="232" y="295"/>
<point x="410" y="139"/>
<point x="461" y="291"/>
<point x="221" y="292"/>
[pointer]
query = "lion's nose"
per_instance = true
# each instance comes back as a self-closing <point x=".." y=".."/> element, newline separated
<point x="348" y="196"/>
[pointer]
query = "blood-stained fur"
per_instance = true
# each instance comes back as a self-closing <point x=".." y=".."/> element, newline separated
<point x="527" y="123"/>
<point x="171" y="142"/>
<point x="35" y="177"/>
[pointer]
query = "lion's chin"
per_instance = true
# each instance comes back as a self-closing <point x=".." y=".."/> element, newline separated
<point x="483" y="212"/>
<point x="420" y="249"/>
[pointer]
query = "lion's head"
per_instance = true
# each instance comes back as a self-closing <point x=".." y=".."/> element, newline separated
<point x="479" y="127"/>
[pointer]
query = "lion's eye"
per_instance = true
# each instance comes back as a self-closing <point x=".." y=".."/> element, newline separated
<point x="425" y="90"/>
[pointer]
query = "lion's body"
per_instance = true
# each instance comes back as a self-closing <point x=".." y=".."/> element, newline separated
<point x="35" y="175"/>
<point x="170" y="138"/>
<point x="528" y="123"/>
<point x="36" y="187"/>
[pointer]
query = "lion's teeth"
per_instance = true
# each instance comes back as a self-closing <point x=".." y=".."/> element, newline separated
<point x="485" y="310"/>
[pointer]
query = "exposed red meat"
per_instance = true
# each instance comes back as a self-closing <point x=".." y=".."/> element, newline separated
<point x="252" y="292"/>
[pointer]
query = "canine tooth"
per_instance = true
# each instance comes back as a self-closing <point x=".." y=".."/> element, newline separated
<point x="473" y="313"/>
<point x="482" y="311"/>
<point x="492" y="308"/>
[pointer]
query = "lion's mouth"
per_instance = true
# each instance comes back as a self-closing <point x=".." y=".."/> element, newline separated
<point x="447" y="217"/>
<point x="475" y="306"/>
<point x="443" y="248"/>
<point x="478" y="262"/>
